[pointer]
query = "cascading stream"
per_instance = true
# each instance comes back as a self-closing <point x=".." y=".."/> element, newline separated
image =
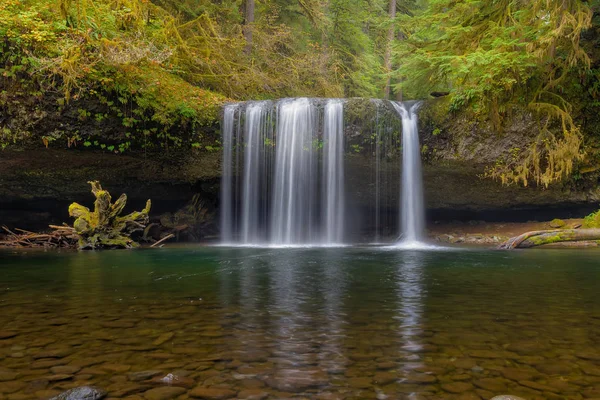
<point x="227" y="174"/>
<point x="333" y="172"/>
<point x="294" y="189"/>
<point x="413" y="214"/>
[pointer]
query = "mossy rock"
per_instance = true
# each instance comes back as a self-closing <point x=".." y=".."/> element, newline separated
<point x="557" y="223"/>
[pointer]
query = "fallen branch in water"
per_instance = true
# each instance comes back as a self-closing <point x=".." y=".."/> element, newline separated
<point x="169" y="236"/>
<point x="540" y="238"/>
<point x="60" y="237"/>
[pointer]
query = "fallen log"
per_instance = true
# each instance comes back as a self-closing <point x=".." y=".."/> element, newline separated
<point x="540" y="238"/>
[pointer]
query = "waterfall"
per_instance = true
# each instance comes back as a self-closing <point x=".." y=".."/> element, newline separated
<point x="412" y="210"/>
<point x="256" y="136"/>
<point x="333" y="172"/>
<point x="275" y="190"/>
<point x="284" y="181"/>
<point x="294" y="189"/>
<point x="227" y="174"/>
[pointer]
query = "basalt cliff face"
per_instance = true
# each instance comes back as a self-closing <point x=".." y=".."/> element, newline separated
<point x="37" y="184"/>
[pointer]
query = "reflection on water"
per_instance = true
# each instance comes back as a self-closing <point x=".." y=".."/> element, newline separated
<point x="309" y="323"/>
<point x="410" y="308"/>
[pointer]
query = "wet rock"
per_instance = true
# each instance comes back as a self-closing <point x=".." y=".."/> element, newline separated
<point x="165" y="337"/>
<point x="253" y="356"/>
<point x="457" y="387"/>
<point x="486" y="354"/>
<point x="174" y="380"/>
<point x="387" y="365"/>
<point x="82" y="393"/>
<point x="537" y="386"/>
<point x="142" y="375"/>
<point x="118" y="390"/>
<point x="517" y="374"/>
<point x="117" y="324"/>
<point x="527" y="347"/>
<point x="118" y="368"/>
<point x="360" y="382"/>
<point x="420" y="378"/>
<point x="589" y="355"/>
<point x="492" y="384"/>
<point x="65" y="369"/>
<point x="554" y="368"/>
<point x="506" y="397"/>
<point x="295" y="383"/>
<point x="58" y="377"/>
<point x="53" y="353"/>
<point x="11" y="387"/>
<point x="164" y="393"/>
<point x="384" y="378"/>
<point x="252" y="394"/>
<point x="7" y="375"/>
<point x="43" y="394"/>
<point x="82" y="363"/>
<point x="8" y="334"/>
<point x="212" y="393"/>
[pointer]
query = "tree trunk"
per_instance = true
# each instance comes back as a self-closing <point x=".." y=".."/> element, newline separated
<point x="388" y="51"/>
<point x="249" y="20"/>
<point x="539" y="238"/>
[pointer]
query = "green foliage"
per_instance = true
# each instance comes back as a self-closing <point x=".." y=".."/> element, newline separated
<point x="105" y="227"/>
<point x="592" y="220"/>
<point x="494" y="55"/>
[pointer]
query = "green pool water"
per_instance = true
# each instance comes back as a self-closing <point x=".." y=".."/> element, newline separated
<point x="345" y="323"/>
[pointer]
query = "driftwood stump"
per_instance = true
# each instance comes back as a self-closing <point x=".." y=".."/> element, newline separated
<point x="539" y="238"/>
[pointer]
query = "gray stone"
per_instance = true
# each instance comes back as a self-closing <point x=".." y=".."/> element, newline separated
<point x="82" y="393"/>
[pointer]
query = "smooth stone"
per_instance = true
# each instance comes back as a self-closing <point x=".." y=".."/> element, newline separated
<point x="117" y="324"/>
<point x="554" y="368"/>
<point x="384" y="378"/>
<point x="527" y="347"/>
<point x="8" y="334"/>
<point x="58" y="377"/>
<point x="457" y="387"/>
<point x="8" y="375"/>
<point x="252" y="394"/>
<point x="591" y="355"/>
<point x="65" y="369"/>
<point x="360" y="382"/>
<point x="85" y="363"/>
<point x="55" y="353"/>
<point x="295" y="384"/>
<point x="420" y="378"/>
<point x="507" y="397"/>
<point x="517" y="374"/>
<point x="82" y="393"/>
<point x="118" y="390"/>
<point x="253" y="356"/>
<point x="142" y="375"/>
<point x="387" y="365"/>
<point x="212" y="393"/>
<point x="537" y="386"/>
<point x="118" y="368"/>
<point x="11" y="387"/>
<point x="165" y="337"/>
<point x="491" y="384"/>
<point x="485" y="354"/>
<point x="164" y="393"/>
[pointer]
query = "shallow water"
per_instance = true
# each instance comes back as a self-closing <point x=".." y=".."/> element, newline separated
<point x="347" y="323"/>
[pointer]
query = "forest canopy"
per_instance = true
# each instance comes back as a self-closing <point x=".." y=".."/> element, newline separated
<point x="140" y="73"/>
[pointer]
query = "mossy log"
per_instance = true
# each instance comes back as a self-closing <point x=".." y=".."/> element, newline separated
<point x="539" y="238"/>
